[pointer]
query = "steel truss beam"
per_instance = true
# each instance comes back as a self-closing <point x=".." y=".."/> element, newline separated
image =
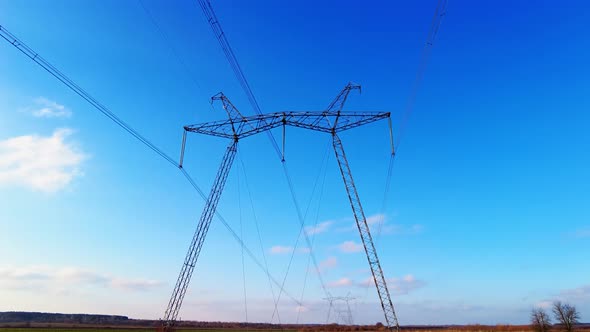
<point x="319" y="121"/>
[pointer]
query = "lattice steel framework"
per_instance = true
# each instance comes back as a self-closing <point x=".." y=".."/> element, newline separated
<point x="346" y="315"/>
<point x="236" y="127"/>
<point x="363" y="227"/>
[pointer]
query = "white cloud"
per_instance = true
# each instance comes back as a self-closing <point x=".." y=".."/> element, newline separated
<point x="576" y="294"/>
<point x="134" y="284"/>
<point x="342" y="282"/>
<point x="399" y="286"/>
<point x="43" y="163"/>
<point x="29" y="273"/>
<point x="414" y="229"/>
<point x="397" y="229"/>
<point x="301" y="308"/>
<point x="304" y="250"/>
<point x="45" y="108"/>
<point x="379" y="225"/>
<point x="350" y="247"/>
<point x="280" y="250"/>
<point x="328" y="263"/>
<point x="259" y="310"/>
<point x="49" y="278"/>
<point x="582" y="233"/>
<point x="319" y="228"/>
<point x="425" y="312"/>
<point x="375" y="219"/>
<point x="544" y="305"/>
<point x="405" y="284"/>
<point x="77" y="275"/>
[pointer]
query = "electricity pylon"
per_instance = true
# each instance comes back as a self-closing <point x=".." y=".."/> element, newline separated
<point x="348" y="319"/>
<point x="237" y="127"/>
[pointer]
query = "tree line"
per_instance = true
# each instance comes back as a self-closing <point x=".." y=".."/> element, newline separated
<point x="566" y="315"/>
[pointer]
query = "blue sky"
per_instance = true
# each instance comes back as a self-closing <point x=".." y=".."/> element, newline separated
<point x="488" y="211"/>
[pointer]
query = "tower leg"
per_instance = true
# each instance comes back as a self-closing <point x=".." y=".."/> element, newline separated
<point x="194" y="250"/>
<point x="363" y="227"/>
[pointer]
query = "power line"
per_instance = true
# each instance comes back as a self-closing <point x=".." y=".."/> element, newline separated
<point x="439" y="13"/>
<point x="233" y="62"/>
<point x="275" y="301"/>
<point x="302" y="222"/>
<point x="178" y="55"/>
<point x="325" y="167"/>
<point x="9" y="37"/>
<point x="238" y="72"/>
<point x="242" y="252"/>
<point x="246" y="249"/>
<point x="301" y="231"/>
<point x="30" y="53"/>
<point x="207" y="9"/>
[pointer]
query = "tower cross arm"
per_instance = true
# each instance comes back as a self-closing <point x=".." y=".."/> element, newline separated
<point x="244" y="126"/>
<point x="334" y="121"/>
<point x="320" y="121"/>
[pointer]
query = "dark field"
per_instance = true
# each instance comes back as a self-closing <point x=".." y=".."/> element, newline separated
<point x="39" y="327"/>
<point x="139" y="329"/>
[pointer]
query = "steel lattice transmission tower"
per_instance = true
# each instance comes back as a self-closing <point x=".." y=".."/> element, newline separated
<point x="345" y="315"/>
<point x="237" y="127"/>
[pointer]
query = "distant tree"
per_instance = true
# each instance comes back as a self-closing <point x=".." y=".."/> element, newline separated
<point x="540" y="320"/>
<point x="379" y="326"/>
<point x="566" y="315"/>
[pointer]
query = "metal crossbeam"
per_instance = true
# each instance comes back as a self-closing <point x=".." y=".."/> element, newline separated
<point x="319" y="121"/>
